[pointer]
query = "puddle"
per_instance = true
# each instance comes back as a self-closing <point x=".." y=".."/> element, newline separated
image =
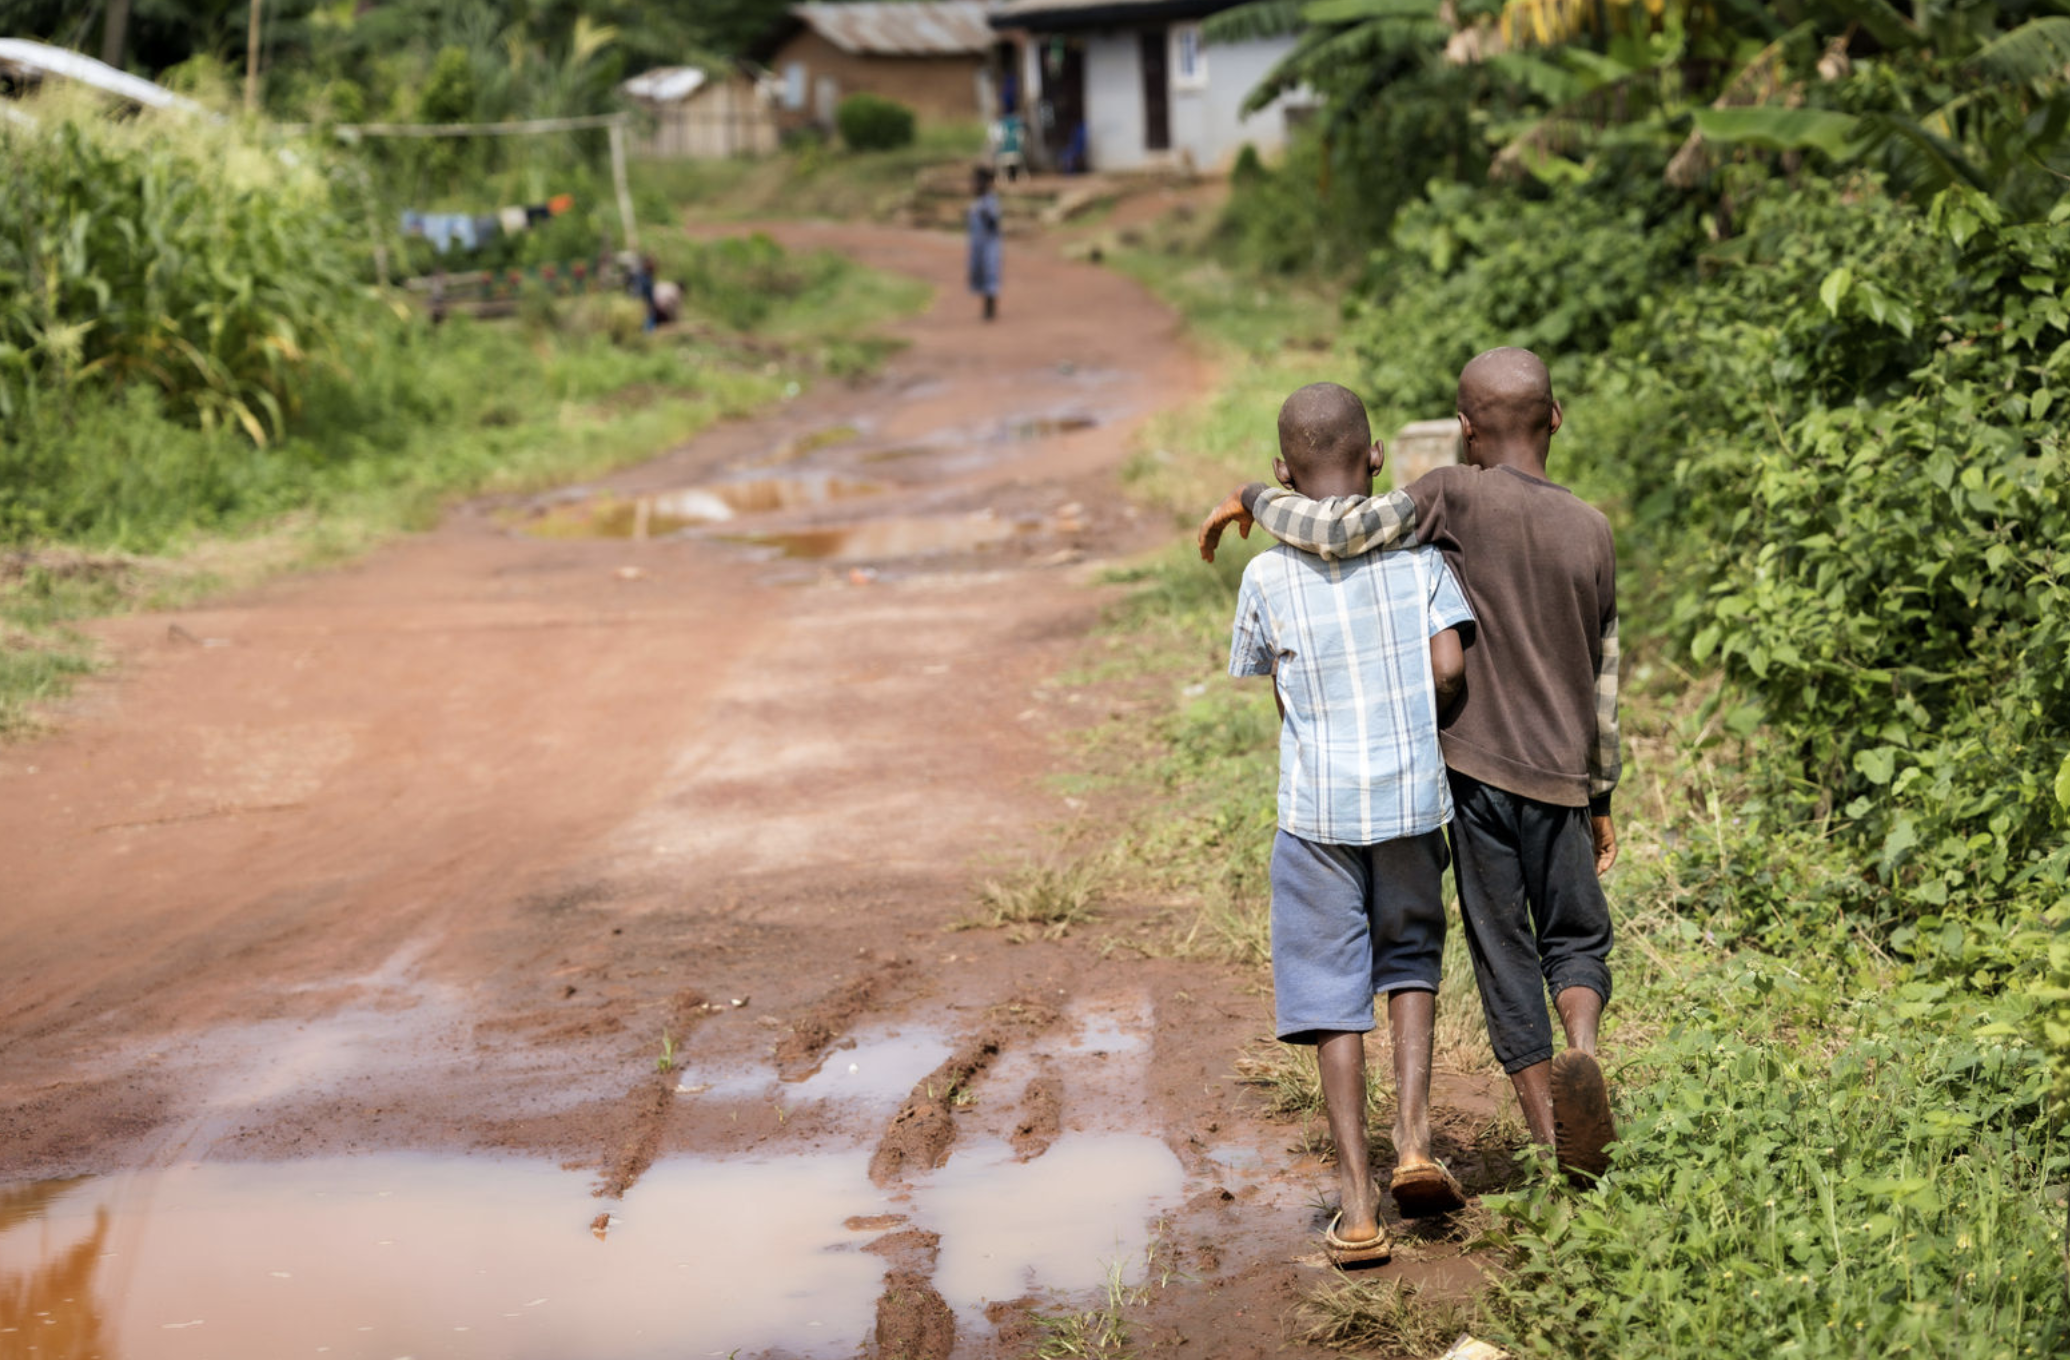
<point x="882" y="1070"/>
<point x="879" y="1070"/>
<point x="666" y="512"/>
<point x="437" y="1256"/>
<point x="1059" y="1222"/>
<point x="1110" y="1032"/>
<point x="1048" y="427"/>
<point x="898" y="536"/>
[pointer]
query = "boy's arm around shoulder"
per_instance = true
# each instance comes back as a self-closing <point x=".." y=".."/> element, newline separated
<point x="1347" y="527"/>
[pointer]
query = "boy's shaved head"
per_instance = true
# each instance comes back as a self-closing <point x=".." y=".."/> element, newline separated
<point x="1507" y="394"/>
<point x="1323" y="429"/>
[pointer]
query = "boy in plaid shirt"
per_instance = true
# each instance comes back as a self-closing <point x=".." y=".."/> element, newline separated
<point x="1362" y="653"/>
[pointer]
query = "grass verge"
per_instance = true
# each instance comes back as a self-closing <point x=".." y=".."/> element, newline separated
<point x="134" y="509"/>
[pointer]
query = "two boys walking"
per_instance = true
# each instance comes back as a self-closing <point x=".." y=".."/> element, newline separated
<point x="1408" y="702"/>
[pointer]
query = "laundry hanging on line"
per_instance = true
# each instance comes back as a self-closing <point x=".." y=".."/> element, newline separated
<point x="472" y="231"/>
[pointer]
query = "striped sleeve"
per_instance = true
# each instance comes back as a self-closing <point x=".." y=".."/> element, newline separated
<point x="1604" y="763"/>
<point x="1340" y="527"/>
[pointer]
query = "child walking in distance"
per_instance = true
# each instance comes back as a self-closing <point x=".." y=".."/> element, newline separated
<point x="1362" y="653"/>
<point x="1532" y="746"/>
<point x="982" y="224"/>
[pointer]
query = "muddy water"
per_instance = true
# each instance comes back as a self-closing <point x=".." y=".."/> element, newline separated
<point x="666" y="512"/>
<point x="897" y="536"/>
<point x="1059" y="1222"/>
<point x="424" y="1256"/>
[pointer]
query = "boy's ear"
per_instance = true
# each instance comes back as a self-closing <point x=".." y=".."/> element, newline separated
<point x="1379" y="457"/>
<point x="1558" y="416"/>
<point x="1465" y="428"/>
<point x="1279" y="472"/>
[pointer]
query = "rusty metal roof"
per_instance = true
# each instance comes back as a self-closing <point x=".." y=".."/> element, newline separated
<point x="902" y="28"/>
<point x="1073" y="15"/>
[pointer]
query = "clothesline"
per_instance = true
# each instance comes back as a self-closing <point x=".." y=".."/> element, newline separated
<point x="475" y="230"/>
<point x="614" y="123"/>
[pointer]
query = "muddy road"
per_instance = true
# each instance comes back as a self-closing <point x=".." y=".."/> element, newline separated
<point x="533" y="939"/>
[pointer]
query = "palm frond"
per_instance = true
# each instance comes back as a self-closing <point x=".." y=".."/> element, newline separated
<point x="1883" y="21"/>
<point x="1257" y="19"/>
<point x="2037" y="50"/>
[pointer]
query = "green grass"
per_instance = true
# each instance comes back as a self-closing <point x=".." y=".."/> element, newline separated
<point x="139" y="509"/>
<point x="1823" y="1152"/>
<point x="808" y="181"/>
<point x="1054" y="894"/>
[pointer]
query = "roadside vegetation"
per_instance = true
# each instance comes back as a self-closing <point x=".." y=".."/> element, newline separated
<point x="201" y="380"/>
<point x="1810" y="354"/>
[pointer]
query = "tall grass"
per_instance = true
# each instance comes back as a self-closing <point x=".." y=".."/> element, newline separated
<point x="166" y="253"/>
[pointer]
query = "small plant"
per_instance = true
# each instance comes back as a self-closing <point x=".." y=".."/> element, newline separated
<point x="1099" y="1332"/>
<point x="667" y="1061"/>
<point x="870" y="122"/>
<point x="1052" y="894"/>
<point x="1390" y="1316"/>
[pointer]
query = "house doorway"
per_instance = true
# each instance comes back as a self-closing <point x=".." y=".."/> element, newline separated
<point x="1062" y="111"/>
<point x="1157" y="94"/>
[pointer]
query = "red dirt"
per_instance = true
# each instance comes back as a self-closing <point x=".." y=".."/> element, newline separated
<point x="430" y="850"/>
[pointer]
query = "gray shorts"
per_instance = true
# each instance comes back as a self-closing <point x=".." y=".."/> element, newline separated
<point x="1351" y="922"/>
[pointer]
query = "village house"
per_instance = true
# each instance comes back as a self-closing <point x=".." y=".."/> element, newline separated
<point x="700" y="115"/>
<point x="933" y="56"/>
<point x="1136" y="85"/>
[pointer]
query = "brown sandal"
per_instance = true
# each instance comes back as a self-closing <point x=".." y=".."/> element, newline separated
<point x="1426" y="1190"/>
<point x="1377" y="1248"/>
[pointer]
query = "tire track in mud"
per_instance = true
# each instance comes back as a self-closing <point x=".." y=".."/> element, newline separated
<point x="804" y="1045"/>
<point x="914" y="1322"/>
<point x="650" y="1103"/>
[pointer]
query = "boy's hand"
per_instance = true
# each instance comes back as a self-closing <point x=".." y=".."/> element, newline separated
<point x="1605" y="837"/>
<point x="1229" y="512"/>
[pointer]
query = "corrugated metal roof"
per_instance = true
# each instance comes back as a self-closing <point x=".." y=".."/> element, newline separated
<point x="665" y="84"/>
<point x="1069" y="15"/>
<point x="903" y="28"/>
<point x="22" y="57"/>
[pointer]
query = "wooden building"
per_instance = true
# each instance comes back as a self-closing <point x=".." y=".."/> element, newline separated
<point x="933" y="56"/>
<point x="697" y="115"/>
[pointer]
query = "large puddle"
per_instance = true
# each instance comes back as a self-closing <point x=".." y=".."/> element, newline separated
<point x="438" y="1256"/>
<point x="898" y="536"/>
<point x="667" y="512"/>
<point x="423" y="1256"/>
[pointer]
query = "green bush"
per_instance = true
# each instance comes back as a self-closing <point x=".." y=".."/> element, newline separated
<point x="169" y="254"/>
<point x="870" y="122"/>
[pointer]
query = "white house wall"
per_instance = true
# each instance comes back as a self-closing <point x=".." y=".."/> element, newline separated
<point x="1206" y="124"/>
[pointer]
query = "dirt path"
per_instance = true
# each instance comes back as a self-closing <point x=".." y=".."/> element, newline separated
<point x="428" y="855"/>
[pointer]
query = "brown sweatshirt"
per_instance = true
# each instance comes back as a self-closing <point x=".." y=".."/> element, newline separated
<point x="1540" y="569"/>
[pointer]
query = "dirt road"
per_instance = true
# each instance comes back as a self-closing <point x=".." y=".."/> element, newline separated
<point x="425" y="865"/>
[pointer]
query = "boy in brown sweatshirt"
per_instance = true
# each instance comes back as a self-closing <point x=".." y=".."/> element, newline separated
<point x="1531" y="749"/>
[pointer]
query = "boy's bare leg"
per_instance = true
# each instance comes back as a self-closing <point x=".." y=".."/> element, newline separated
<point x="1340" y="1056"/>
<point x="1411" y="1016"/>
<point x="1535" y="1093"/>
<point x="1581" y="1009"/>
<point x="1581" y="1012"/>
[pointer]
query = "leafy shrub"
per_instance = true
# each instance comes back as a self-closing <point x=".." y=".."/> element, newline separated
<point x="1883" y="1192"/>
<point x="170" y="254"/>
<point x="1471" y="270"/>
<point x="870" y="122"/>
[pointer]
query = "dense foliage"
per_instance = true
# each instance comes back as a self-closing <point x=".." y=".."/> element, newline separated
<point x="870" y="122"/>
<point x="1800" y="272"/>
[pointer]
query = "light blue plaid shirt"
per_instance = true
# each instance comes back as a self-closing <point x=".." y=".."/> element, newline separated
<point x="1349" y="646"/>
